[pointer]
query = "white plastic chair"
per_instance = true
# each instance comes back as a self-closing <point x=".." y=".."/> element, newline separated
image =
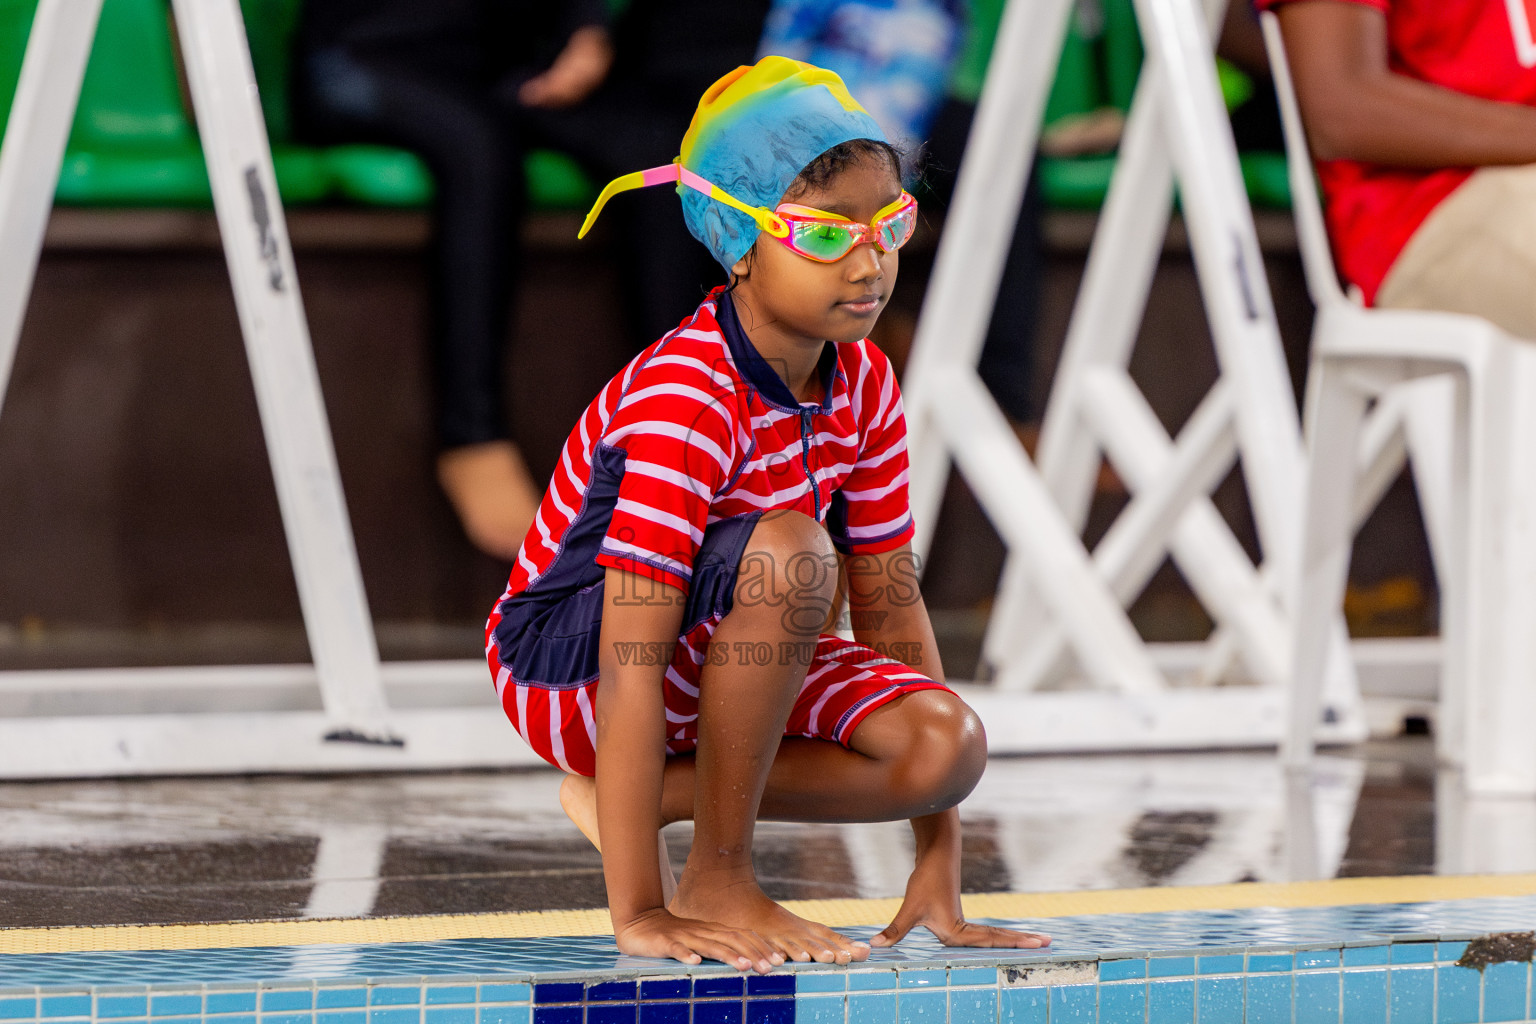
<point x="1440" y="389"/>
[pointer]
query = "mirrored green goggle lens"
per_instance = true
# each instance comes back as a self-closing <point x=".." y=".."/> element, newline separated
<point x="824" y="241"/>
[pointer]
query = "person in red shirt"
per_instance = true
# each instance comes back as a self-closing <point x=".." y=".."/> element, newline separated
<point x="665" y="635"/>
<point x="1422" y="117"/>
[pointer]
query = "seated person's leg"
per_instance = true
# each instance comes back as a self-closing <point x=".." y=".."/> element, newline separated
<point x="620" y="129"/>
<point x="1476" y="253"/>
<point x="477" y="165"/>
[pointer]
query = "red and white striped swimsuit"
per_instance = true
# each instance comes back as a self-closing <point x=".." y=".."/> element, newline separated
<point x="686" y="447"/>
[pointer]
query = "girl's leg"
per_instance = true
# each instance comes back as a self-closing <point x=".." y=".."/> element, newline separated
<point x="785" y="583"/>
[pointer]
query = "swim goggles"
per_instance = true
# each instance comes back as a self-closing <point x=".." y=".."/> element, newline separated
<point x="815" y="234"/>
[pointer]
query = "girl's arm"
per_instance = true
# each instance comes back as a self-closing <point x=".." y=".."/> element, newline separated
<point x="887" y="611"/>
<point x="640" y="624"/>
<point x="889" y="616"/>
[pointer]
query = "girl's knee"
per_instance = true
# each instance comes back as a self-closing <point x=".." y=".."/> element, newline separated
<point x="788" y="572"/>
<point x="938" y="747"/>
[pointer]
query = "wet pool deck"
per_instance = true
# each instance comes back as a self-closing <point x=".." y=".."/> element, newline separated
<point x="1169" y="882"/>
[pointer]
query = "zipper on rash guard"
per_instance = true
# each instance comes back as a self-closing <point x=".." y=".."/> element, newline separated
<point x="805" y="455"/>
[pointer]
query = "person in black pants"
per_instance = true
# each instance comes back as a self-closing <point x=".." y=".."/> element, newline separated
<point x="470" y="86"/>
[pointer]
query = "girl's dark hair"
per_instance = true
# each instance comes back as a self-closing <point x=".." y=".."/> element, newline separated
<point x="820" y="171"/>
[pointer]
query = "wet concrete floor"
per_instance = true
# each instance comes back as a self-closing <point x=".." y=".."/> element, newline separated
<point x="176" y="850"/>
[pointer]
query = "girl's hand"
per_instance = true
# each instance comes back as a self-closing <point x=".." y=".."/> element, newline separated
<point x="933" y="901"/>
<point x="658" y="933"/>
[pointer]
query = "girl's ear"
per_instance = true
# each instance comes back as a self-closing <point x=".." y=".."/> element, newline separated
<point x="742" y="269"/>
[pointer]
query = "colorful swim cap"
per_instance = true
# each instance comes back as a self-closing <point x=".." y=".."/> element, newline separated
<point x="754" y="131"/>
<point x="752" y="135"/>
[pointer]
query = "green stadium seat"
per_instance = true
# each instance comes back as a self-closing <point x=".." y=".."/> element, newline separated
<point x="1265" y="176"/>
<point x="15" y="23"/>
<point x="379" y="175"/>
<point x="132" y="142"/>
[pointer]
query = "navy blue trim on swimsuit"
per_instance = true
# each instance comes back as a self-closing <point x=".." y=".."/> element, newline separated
<point x="761" y="375"/>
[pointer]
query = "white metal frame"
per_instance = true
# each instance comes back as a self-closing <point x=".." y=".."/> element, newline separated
<point x="1449" y="391"/>
<point x="355" y="728"/>
<point x="1055" y="599"/>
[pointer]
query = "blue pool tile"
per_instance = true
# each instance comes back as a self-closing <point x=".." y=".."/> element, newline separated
<point x="1365" y="996"/>
<point x="1449" y="952"/>
<point x="1366" y="956"/>
<point x="728" y="987"/>
<point x="1413" y="995"/>
<point x="122" y="1006"/>
<point x="1025" y="1005"/>
<point x="663" y="1013"/>
<point x="394" y="995"/>
<point x="505" y="993"/>
<point x="972" y="1006"/>
<point x="70" y="1006"/>
<point x="1457" y="996"/>
<point x="1171" y="1002"/>
<point x="962" y="976"/>
<point x="864" y="981"/>
<point x="923" y="1007"/>
<point x="176" y="1004"/>
<point x="286" y="1000"/>
<point x="1224" y="963"/>
<point x="1122" y="970"/>
<point x="555" y="1014"/>
<point x="924" y="979"/>
<point x="354" y="1017"/>
<point x="1413" y="952"/>
<point x="1170" y="966"/>
<point x="813" y="1010"/>
<point x="392" y="1015"/>
<point x="557" y="992"/>
<point x="1504" y="988"/>
<point x="1317" y="997"/>
<point x="772" y="1011"/>
<point x="771" y="985"/>
<point x="1123" y="1002"/>
<point x="515" y="1013"/>
<point x="665" y="988"/>
<point x="25" y="1008"/>
<point x="439" y="995"/>
<point x="239" y="1018"/>
<point x="1310" y="959"/>
<point x="1074" y="1004"/>
<point x="723" y="1011"/>
<point x="612" y="992"/>
<point x="1267" y="999"/>
<point x="612" y="1013"/>
<point x="1267" y="963"/>
<point x="304" y="1017"/>
<point x="820" y="981"/>
<point x="1219" y="1000"/>
<point x="869" y="1008"/>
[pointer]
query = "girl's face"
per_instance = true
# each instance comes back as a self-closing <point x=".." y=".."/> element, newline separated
<point x="815" y="302"/>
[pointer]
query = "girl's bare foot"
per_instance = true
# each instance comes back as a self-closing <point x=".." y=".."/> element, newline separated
<point x="578" y="798"/>
<point x="733" y="899"/>
<point x="491" y="489"/>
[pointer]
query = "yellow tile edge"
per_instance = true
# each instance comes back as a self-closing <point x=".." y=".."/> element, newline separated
<point x="837" y="913"/>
